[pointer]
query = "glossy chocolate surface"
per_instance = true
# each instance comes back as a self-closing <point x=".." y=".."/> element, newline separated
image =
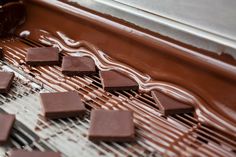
<point x="6" y="79"/>
<point x="42" y="56"/>
<point x="111" y="126"/>
<point x="78" y="66"/>
<point x="6" y="123"/>
<point x="170" y="106"/>
<point x="115" y="81"/>
<point x="61" y="105"/>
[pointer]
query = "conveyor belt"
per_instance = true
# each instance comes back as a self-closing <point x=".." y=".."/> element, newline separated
<point x="156" y="135"/>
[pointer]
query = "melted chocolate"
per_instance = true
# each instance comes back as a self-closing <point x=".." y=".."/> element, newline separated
<point x="146" y="118"/>
<point x="111" y="126"/>
<point x="177" y="70"/>
<point x="180" y="71"/>
<point x="12" y="14"/>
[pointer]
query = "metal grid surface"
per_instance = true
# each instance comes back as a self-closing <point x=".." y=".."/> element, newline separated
<point x="156" y="135"/>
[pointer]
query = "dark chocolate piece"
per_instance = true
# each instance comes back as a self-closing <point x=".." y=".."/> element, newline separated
<point x="61" y="105"/>
<point x="24" y="153"/>
<point x="170" y="106"/>
<point x="114" y="80"/>
<point x="42" y="56"/>
<point x="6" y="124"/>
<point x="1" y="53"/>
<point x="6" y="79"/>
<point x="12" y="14"/>
<point x="111" y="126"/>
<point x="78" y="66"/>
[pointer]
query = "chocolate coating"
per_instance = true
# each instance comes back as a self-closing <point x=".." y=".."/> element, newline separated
<point x="170" y="106"/>
<point x="42" y="56"/>
<point x="111" y="126"/>
<point x="12" y="14"/>
<point x="210" y="81"/>
<point x="61" y="105"/>
<point x="6" y="79"/>
<point x="6" y="123"/>
<point x="78" y="66"/>
<point x="24" y="153"/>
<point x="113" y="80"/>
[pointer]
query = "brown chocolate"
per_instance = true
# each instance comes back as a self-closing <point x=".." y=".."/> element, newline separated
<point x="6" y="124"/>
<point x="24" y="153"/>
<point x="61" y="105"/>
<point x="114" y="80"/>
<point x="42" y="56"/>
<point x="6" y="79"/>
<point x="12" y="14"/>
<point x="170" y="106"/>
<point x="78" y="66"/>
<point x="163" y="59"/>
<point x="111" y="126"/>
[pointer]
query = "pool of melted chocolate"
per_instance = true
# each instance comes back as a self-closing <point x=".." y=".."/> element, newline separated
<point x="183" y="72"/>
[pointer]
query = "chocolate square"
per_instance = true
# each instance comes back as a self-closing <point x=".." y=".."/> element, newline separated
<point x="111" y="126"/>
<point x="6" y="124"/>
<point x="6" y="79"/>
<point x="24" y="153"/>
<point x="78" y="66"/>
<point x="61" y="105"/>
<point x="42" y="56"/>
<point x="170" y="106"/>
<point x="114" y="80"/>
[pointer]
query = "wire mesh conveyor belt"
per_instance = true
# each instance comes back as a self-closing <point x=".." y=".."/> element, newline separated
<point x="156" y="135"/>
